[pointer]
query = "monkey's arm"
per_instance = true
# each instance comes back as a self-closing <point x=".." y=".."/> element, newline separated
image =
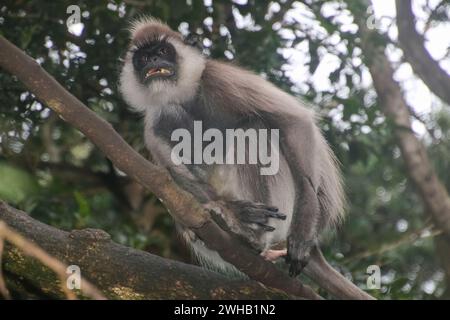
<point x="298" y="145"/>
<point x="249" y="218"/>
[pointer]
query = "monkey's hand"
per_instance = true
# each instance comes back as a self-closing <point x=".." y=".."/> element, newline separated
<point x="247" y="220"/>
<point x="255" y="213"/>
<point x="298" y="254"/>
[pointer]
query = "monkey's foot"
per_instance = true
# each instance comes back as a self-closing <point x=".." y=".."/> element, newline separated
<point x="298" y="254"/>
<point x="256" y="213"/>
<point x="272" y="255"/>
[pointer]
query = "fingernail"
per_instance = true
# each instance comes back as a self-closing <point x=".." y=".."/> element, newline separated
<point x="281" y="216"/>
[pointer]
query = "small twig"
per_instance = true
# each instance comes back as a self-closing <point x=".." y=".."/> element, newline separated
<point x="412" y="44"/>
<point x="434" y="13"/>
<point x="54" y="264"/>
<point x="3" y="289"/>
<point x="406" y="239"/>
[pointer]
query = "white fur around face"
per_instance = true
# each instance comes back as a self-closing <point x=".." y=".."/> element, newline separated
<point x="143" y="98"/>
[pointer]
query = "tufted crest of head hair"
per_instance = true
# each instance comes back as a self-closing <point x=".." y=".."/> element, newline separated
<point x="147" y="29"/>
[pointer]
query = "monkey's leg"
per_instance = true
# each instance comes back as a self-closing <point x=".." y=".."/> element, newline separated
<point x="319" y="270"/>
<point x="248" y="220"/>
<point x="189" y="182"/>
<point x="272" y="255"/>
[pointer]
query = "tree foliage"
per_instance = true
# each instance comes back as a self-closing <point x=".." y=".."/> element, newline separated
<point x="52" y="171"/>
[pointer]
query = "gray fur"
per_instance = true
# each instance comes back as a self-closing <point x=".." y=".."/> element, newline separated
<point x="226" y="96"/>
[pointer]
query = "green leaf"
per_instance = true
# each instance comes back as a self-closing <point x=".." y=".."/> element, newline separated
<point x="16" y="185"/>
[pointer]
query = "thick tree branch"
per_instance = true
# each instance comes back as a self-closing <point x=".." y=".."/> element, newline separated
<point x="180" y="203"/>
<point x="408" y="239"/>
<point x="32" y="250"/>
<point x="394" y="106"/>
<point x="4" y="292"/>
<point x="120" y="272"/>
<point x="412" y="44"/>
<point x="392" y="103"/>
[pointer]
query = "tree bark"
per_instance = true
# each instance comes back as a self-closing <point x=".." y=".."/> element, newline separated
<point x="420" y="170"/>
<point x="394" y="106"/>
<point x="118" y="271"/>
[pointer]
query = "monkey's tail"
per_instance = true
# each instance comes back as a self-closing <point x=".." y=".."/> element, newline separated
<point x="320" y="271"/>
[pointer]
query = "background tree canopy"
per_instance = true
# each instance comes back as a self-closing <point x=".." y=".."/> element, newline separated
<point x="309" y="48"/>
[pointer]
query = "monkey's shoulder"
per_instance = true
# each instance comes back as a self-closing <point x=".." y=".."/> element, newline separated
<point x="226" y="86"/>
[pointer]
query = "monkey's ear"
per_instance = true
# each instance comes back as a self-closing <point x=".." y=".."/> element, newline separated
<point x="194" y="40"/>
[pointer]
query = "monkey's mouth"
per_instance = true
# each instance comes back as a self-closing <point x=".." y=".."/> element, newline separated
<point x="158" y="72"/>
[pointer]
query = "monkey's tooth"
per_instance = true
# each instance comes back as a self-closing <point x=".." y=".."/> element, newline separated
<point x="157" y="71"/>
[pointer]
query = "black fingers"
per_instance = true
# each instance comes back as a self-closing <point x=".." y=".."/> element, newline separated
<point x="259" y="215"/>
<point x="266" y="227"/>
<point x="256" y="213"/>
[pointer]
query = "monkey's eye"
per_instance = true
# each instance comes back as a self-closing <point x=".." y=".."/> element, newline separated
<point x="144" y="58"/>
<point x="162" y="51"/>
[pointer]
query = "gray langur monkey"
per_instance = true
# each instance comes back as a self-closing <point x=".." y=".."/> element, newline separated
<point x="173" y="84"/>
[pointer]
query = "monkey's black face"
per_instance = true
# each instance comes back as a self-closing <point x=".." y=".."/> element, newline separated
<point x="155" y="60"/>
